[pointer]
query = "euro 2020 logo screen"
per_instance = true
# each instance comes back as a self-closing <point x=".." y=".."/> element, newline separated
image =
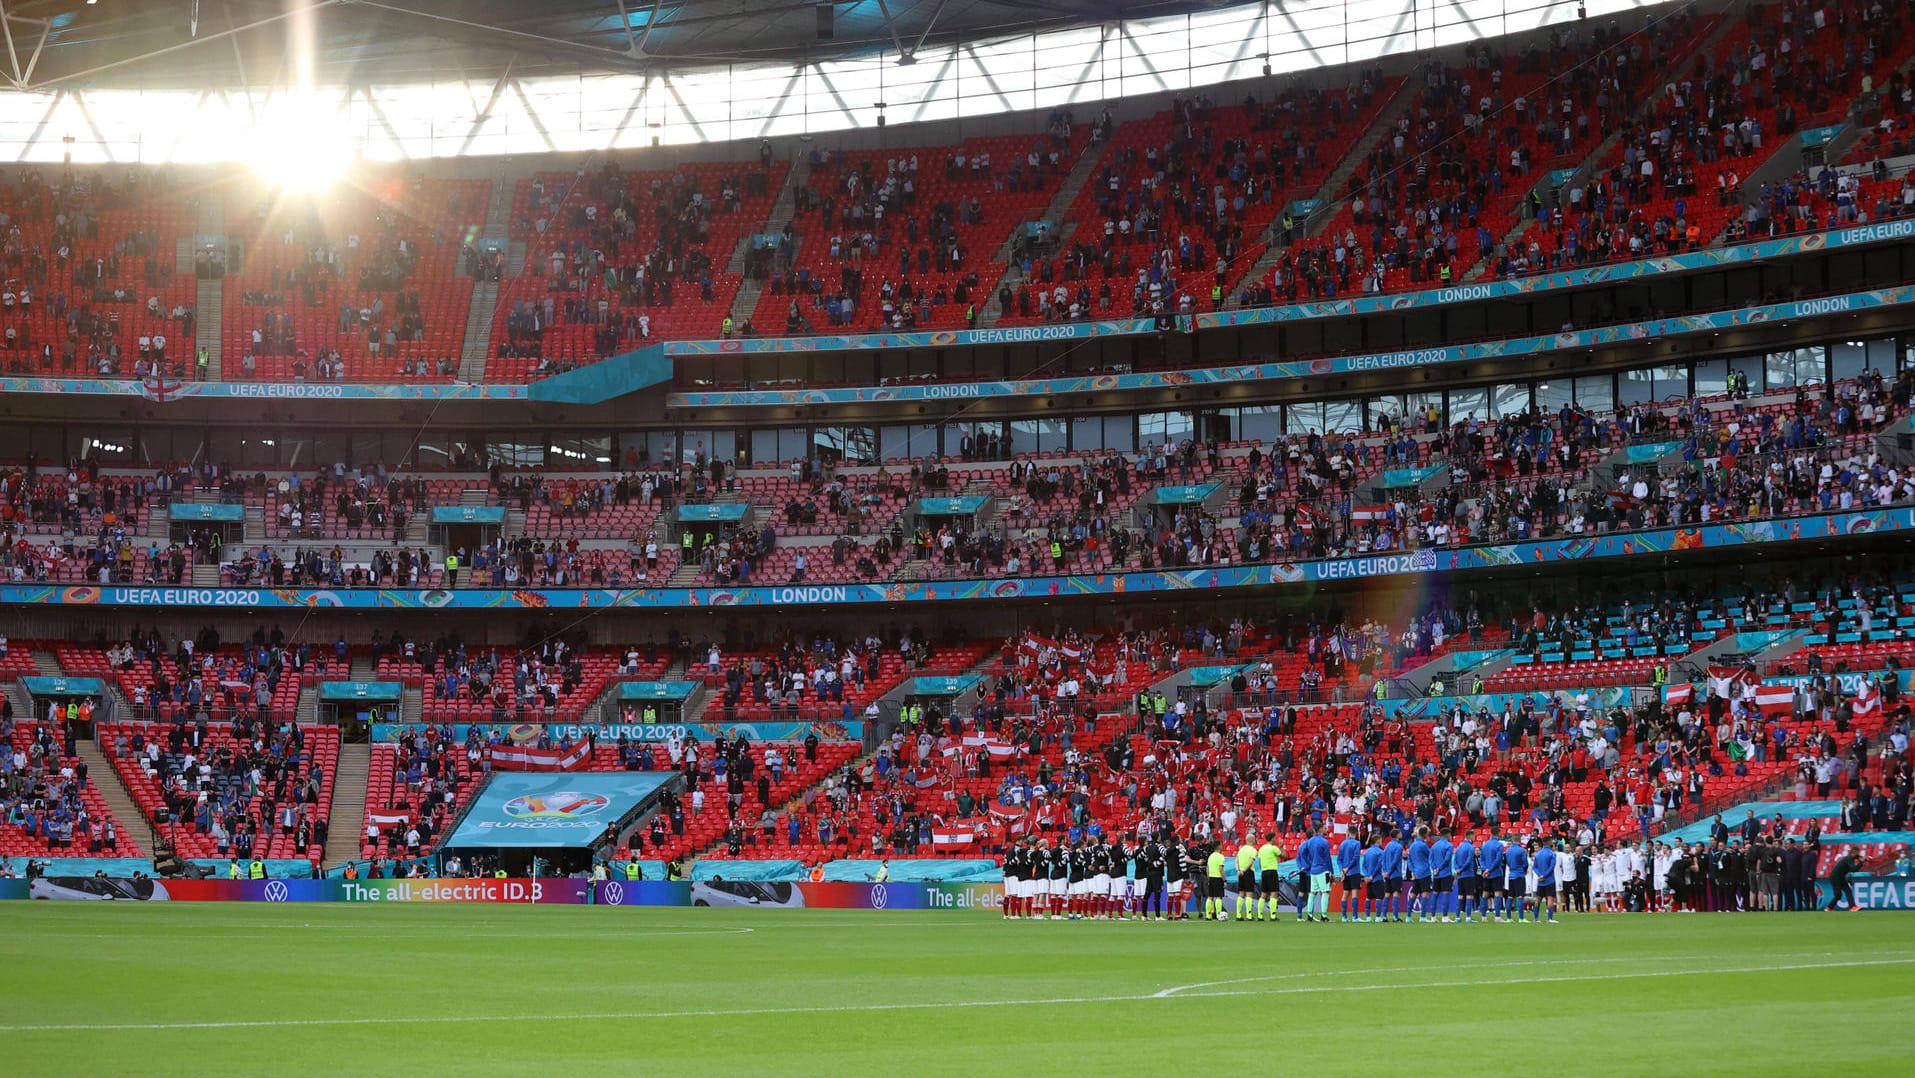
<point x="563" y="805"/>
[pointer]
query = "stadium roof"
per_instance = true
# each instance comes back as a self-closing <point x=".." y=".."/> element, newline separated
<point x="198" y="44"/>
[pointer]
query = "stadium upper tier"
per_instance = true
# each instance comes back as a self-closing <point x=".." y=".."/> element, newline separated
<point x="1526" y="155"/>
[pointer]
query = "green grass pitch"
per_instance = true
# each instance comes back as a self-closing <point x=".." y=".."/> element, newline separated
<point x="211" y="988"/>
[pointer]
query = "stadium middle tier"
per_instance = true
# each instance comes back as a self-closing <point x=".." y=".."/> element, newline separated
<point x="1422" y="472"/>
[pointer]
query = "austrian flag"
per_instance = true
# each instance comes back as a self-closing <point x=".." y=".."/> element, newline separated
<point x="1730" y="682"/>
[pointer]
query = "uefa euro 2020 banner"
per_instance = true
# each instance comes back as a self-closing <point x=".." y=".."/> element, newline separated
<point x="721" y="894"/>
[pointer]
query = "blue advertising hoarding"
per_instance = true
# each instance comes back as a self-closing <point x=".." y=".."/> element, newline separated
<point x="713" y="513"/>
<point x="468" y="514"/>
<point x="950" y="507"/>
<point x="62" y="686"/>
<point x="337" y="691"/>
<point x="205" y="513"/>
<point x="944" y="686"/>
<point x="656" y="690"/>
<point x="1185" y="495"/>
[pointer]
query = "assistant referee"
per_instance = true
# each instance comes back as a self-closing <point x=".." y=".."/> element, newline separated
<point x="1213" y="882"/>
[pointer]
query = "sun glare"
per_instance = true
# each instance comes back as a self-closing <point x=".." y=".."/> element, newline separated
<point x="301" y="146"/>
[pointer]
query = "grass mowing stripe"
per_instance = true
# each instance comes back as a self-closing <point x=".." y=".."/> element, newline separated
<point x="741" y="1012"/>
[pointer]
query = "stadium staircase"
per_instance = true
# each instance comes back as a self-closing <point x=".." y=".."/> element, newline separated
<point x="1784" y="163"/>
<point x="346" y="818"/>
<point x="783" y="209"/>
<point x="485" y="294"/>
<point x="48" y="664"/>
<point x="1059" y="210"/>
<point x="306" y="712"/>
<point x="134" y="826"/>
<point x="1862" y="115"/>
<point x="210" y="302"/>
<point x="17" y="694"/>
<point x="478" y="331"/>
<point x="1329" y="195"/>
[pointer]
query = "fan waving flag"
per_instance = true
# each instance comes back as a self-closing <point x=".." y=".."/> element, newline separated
<point x="952" y="836"/>
<point x="1729" y="682"/>
<point x="1869" y="700"/>
<point x="1679" y="694"/>
<point x="526" y="758"/>
<point x="1035" y="644"/>
<point x="1774" y="697"/>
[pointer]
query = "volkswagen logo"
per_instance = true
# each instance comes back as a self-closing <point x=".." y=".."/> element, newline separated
<point x="277" y="891"/>
<point x="878" y="896"/>
<point x="614" y="893"/>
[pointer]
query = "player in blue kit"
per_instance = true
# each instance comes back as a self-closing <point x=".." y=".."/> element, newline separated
<point x="1489" y="876"/>
<point x="1349" y="852"/>
<point x="1393" y="878"/>
<point x="1544" y="863"/>
<point x="1418" y="860"/>
<point x="1314" y="861"/>
<point x="1516" y="865"/>
<point x="1442" y="879"/>
<point x="1370" y="906"/>
<point x="1463" y="862"/>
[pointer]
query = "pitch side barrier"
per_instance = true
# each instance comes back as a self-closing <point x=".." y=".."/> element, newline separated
<point x="560" y="892"/>
<point x="1873" y="892"/>
<point x="1900" y="518"/>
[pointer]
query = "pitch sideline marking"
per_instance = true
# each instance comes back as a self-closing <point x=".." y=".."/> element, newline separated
<point x="1174" y="991"/>
<point x="737" y="1012"/>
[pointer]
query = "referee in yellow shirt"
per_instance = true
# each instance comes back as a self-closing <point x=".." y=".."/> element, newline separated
<point x="1246" y="878"/>
<point x="1270" y="889"/>
<point x="1213" y="882"/>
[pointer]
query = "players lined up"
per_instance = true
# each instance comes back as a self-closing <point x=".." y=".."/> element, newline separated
<point x="1444" y="878"/>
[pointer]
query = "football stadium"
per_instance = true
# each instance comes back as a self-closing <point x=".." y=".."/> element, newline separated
<point x="854" y="537"/>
